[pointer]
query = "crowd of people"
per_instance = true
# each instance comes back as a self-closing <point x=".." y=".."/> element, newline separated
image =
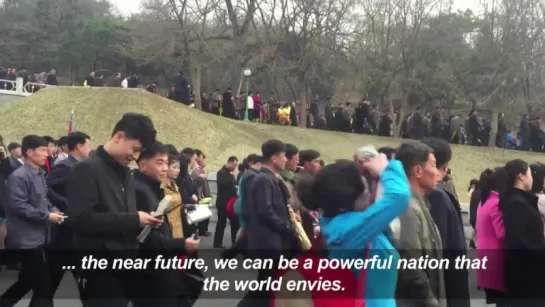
<point x="400" y="203"/>
<point x="364" y="117"/>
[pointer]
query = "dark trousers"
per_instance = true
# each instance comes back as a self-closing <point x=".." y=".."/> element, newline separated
<point x="34" y="275"/>
<point x="220" y="227"/>
<point x="203" y="227"/>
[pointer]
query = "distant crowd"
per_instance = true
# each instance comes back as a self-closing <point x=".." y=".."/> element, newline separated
<point x="363" y="117"/>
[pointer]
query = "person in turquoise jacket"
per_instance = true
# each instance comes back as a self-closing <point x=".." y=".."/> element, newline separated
<point x="348" y="232"/>
<point x="254" y="163"/>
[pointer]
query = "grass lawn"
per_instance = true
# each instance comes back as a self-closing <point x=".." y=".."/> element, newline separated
<point x="98" y="109"/>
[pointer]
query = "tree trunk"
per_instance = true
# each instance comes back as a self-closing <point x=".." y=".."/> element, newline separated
<point x="197" y="69"/>
<point x="303" y="99"/>
<point x="494" y="130"/>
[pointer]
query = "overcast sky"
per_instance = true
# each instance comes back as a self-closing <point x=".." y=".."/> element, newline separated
<point x="132" y="6"/>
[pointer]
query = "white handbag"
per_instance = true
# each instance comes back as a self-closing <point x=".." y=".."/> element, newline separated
<point x="201" y="213"/>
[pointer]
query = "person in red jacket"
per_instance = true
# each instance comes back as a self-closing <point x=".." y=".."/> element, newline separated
<point x="257" y="107"/>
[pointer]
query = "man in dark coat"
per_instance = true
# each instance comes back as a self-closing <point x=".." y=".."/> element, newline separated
<point x="447" y="215"/>
<point x="79" y="148"/>
<point x="227" y="189"/>
<point x="181" y="93"/>
<point x="270" y="231"/>
<point x="102" y="209"/>
<point x="227" y="104"/>
<point x="52" y="78"/>
<point x="162" y="287"/>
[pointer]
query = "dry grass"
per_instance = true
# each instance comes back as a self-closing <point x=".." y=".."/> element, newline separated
<point x="98" y="109"/>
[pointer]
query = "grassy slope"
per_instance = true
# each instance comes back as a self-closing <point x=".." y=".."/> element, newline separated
<point x="98" y="109"/>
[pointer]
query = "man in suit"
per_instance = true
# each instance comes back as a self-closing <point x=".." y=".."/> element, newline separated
<point x="447" y="215"/>
<point x="78" y="144"/>
<point x="102" y="210"/>
<point x="227" y="189"/>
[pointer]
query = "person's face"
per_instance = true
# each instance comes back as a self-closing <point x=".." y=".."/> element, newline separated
<point x="37" y="156"/>
<point x="126" y="150"/>
<point x="291" y="164"/>
<point x="51" y="149"/>
<point x="526" y="180"/>
<point x="443" y="171"/>
<point x="280" y="161"/>
<point x="156" y="167"/>
<point x="232" y="165"/>
<point x="193" y="161"/>
<point x="200" y="159"/>
<point x="427" y="174"/>
<point x="92" y="74"/>
<point x="17" y="153"/>
<point x="256" y="166"/>
<point x="84" y="149"/>
<point x="64" y="148"/>
<point x="173" y="171"/>
<point x="313" y="166"/>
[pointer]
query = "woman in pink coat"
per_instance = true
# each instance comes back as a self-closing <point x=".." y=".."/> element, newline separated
<point x="490" y="237"/>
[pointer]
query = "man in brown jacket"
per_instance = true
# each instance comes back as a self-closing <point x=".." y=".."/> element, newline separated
<point x="419" y="236"/>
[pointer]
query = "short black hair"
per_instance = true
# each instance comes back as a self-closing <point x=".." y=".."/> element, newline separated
<point x="336" y="188"/>
<point x="232" y="159"/>
<point x="291" y="150"/>
<point x="63" y="140"/>
<point x="76" y="138"/>
<point x="172" y="158"/>
<point x="12" y="146"/>
<point x="172" y="150"/>
<point x="32" y="142"/>
<point x="188" y="151"/>
<point x="441" y="150"/>
<point x="412" y="154"/>
<point x="49" y="139"/>
<point x="199" y="153"/>
<point x="137" y="127"/>
<point x="253" y="159"/>
<point x="388" y="151"/>
<point x="272" y="148"/>
<point x="244" y="165"/>
<point x="473" y="182"/>
<point x="156" y="148"/>
<point x="308" y="155"/>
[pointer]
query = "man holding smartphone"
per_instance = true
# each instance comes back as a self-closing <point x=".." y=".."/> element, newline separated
<point x="103" y="214"/>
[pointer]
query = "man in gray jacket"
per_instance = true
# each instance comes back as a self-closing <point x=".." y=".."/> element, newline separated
<point x="419" y="236"/>
<point x="29" y="214"/>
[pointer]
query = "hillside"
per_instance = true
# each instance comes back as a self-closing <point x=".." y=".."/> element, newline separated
<point x="97" y="110"/>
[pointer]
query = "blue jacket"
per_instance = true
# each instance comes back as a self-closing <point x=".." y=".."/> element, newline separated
<point x="348" y="234"/>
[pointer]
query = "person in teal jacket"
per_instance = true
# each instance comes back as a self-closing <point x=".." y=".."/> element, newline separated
<point x="254" y="163"/>
<point x="348" y="233"/>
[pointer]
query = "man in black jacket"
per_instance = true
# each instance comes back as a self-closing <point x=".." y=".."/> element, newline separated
<point x="447" y="215"/>
<point x="79" y="147"/>
<point x="102" y="209"/>
<point x="181" y="93"/>
<point x="227" y="189"/>
<point x="163" y="286"/>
